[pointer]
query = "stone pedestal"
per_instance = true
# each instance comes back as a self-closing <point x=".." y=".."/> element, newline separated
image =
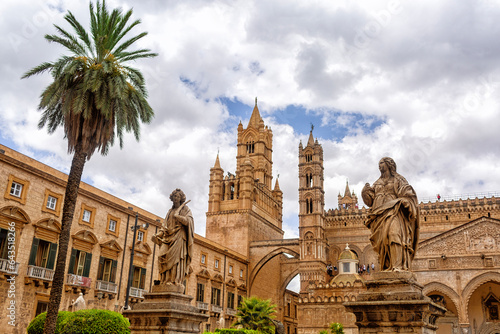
<point x="394" y="303"/>
<point x="166" y="310"/>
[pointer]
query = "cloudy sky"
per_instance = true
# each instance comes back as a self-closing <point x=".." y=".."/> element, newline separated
<point x="417" y="81"/>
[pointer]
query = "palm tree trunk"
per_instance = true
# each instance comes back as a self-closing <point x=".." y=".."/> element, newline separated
<point x="74" y="178"/>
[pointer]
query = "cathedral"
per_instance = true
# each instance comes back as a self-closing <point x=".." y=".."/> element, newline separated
<point x="243" y="252"/>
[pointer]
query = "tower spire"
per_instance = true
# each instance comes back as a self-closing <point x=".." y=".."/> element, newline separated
<point x="310" y="142"/>
<point x="255" y="118"/>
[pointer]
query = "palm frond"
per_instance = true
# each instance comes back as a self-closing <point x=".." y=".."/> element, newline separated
<point x="38" y="70"/>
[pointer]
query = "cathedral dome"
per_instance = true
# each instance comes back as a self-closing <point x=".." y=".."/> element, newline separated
<point x="348" y="254"/>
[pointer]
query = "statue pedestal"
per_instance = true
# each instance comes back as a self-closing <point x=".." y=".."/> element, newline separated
<point x="165" y="310"/>
<point x="394" y="303"/>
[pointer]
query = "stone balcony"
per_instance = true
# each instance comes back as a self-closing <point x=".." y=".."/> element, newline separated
<point x="77" y="283"/>
<point x="136" y="294"/>
<point x="202" y="306"/>
<point x="106" y="289"/>
<point x="215" y="309"/>
<point x="39" y="275"/>
<point x="7" y="269"/>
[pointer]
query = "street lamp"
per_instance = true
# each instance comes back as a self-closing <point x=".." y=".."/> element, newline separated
<point x="131" y="267"/>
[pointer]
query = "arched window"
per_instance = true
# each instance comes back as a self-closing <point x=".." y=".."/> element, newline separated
<point x="309" y="180"/>
<point x="309" y="157"/>
<point x="250" y="146"/>
<point x="309" y="205"/>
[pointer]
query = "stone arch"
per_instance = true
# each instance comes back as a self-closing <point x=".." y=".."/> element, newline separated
<point x="445" y="290"/>
<point x="489" y="328"/>
<point x="475" y="283"/>
<point x="369" y="255"/>
<point x="269" y="256"/>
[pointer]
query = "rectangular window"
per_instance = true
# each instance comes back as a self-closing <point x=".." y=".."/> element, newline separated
<point x="230" y="300"/>
<point x="139" y="278"/>
<point x="241" y="273"/>
<point x="3" y="244"/>
<point x="216" y="263"/>
<point x="240" y="300"/>
<point x="79" y="263"/>
<point x="107" y="270"/>
<point x="43" y="254"/>
<point x="51" y="202"/>
<point x="203" y="259"/>
<point x="346" y="267"/>
<point x="112" y="225"/>
<point x="216" y="296"/>
<point x="200" y="292"/>
<point x="140" y="236"/>
<point x="86" y="216"/>
<point x="230" y="270"/>
<point x="16" y="189"/>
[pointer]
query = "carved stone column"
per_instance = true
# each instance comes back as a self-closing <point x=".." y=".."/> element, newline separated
<point x="394" y="303"/>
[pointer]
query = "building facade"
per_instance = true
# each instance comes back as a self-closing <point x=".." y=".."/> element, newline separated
<point x="457" y="261"/>
<point x="243" y="253"/>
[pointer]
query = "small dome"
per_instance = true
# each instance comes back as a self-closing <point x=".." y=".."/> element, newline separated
<point x="348" y="254"/>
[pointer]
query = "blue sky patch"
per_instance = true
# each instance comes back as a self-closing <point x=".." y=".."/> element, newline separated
<point x="328" y="124"/>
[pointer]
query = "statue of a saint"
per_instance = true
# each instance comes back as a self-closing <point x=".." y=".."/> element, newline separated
<point x="79" y="303"/>
<point x="175" y="238"/>
<point x="392" y="218"/>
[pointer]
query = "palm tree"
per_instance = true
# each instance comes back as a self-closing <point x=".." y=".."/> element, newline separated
<point x="256" y="314"/>
<point x="94" y="96"/>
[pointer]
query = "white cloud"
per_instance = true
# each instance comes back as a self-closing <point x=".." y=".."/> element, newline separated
<point x="429" y="70"/>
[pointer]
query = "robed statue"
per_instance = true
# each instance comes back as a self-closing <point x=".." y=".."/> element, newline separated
<point x="392" y="218"/>
<point x="175" y="238"/>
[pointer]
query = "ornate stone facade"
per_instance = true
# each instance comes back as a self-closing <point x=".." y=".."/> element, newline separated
<point x="243" y="253"/>
<point x="457" y="262"/>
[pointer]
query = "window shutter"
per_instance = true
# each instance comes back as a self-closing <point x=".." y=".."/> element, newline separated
<point x="88" y="261"/>
<point x="34" y="249"/>
<point x="101" y="268"/>
<point x="143" y="277"/>
<point x="72" y="260"/>
<point x="114" y="264"/>
<point x="52" y="256"/>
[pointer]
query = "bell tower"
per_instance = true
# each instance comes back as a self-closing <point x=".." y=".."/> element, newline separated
<point x="243" y="207"/>
<point x="256" y="142"/>
<point x="313" y="246"/>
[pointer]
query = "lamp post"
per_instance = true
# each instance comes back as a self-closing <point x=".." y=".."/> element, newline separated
<point x="131" y="267"/>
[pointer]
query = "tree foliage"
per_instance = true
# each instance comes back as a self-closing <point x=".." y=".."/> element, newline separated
<point x="93" y="92"/>
<point x="95" y="96"/>
<point x="336" y="328"/>
<point x="256" y="314"/>
<point x="83" y="322"/>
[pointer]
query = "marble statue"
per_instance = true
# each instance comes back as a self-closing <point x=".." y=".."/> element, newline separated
<point x="175" y="238"/>
<point x="392" y="218"/>
<point x="221" y="323"/>
<point x="79" y="303"/>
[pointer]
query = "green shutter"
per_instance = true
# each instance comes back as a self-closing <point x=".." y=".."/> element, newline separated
<point x="34" y="249"/>
<point x="143" y="277"/>
<point x="72" y="260"/>
<point x="52" y="256"/>
<point x="101" y="268"/>
<point x="114" y="265"/>
<point x="88" y="262"/>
